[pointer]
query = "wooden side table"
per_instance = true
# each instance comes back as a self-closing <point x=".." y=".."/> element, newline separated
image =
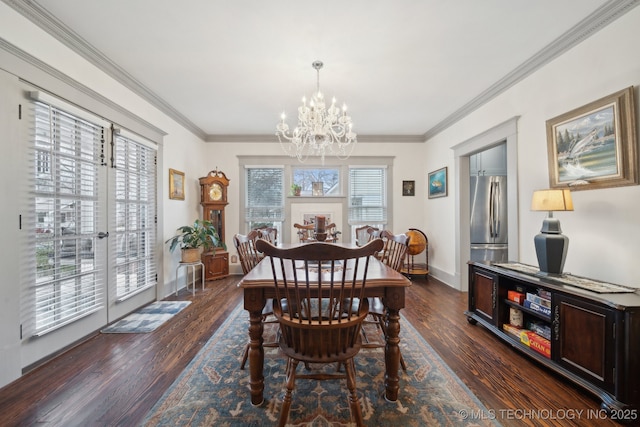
<point x="193" y="266"/>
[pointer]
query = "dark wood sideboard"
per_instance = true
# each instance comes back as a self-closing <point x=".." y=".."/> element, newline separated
<point x="594" y="335"/>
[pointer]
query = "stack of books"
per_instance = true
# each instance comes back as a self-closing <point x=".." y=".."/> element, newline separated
<point x="535" y="334"/>
<point x="538" y="303"/>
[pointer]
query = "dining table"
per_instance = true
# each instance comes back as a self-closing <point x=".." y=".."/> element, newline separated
<point x="382" y="281"/>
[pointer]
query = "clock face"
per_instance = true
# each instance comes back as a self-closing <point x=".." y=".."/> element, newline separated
<point x="215" y="192"/>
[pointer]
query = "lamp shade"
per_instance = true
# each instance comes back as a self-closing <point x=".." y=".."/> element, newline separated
<point x="551" y="244"/>
<point x="552" y="200"/>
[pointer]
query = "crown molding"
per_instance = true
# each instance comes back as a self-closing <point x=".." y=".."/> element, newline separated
<point x="238" y="138"/>
<point x="599" y="19"/>
<point x="53" y="26"/>
<point x="584" y="29"/>
<point x="26" y="58"/>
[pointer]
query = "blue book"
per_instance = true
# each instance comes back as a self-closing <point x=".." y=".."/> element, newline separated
<point x="537" y="308"/>
<point x="539" y="300"/>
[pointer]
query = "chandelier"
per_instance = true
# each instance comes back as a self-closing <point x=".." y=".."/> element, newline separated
<point x="320" y="130"/>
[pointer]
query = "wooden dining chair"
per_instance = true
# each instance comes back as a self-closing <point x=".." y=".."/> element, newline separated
<point x="249" y="258"/>
<point x="332" y="233"/>
<point x="393" y="254"/>
<point x="270" y="234"/>
<point x="364" y="235"/>
<point x="305" y="232"/>
<point x="245" y="246"/>
<point x="320" y="309"/>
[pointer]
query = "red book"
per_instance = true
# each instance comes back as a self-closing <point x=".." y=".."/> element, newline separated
<point x="539" y="344"/>
<point x="515" y="296"/>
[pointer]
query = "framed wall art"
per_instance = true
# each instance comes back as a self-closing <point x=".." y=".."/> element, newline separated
<point x="408" y="188"/>
<point x="176" y="184"/>
<point x="594" y="146"/>
<point x="438" y="183"/>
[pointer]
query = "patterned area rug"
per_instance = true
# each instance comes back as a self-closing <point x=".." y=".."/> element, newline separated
<point x="213" y="391"/>
<point x="147" y="319"/>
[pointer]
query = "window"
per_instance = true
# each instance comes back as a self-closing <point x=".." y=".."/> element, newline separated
<point x="66" y="155"/>
<point x="367" y="197"/>
<point x="367" y="179"/>
<point x="317" y="181"/>
<point x="265" y="197"/>
<point x="134" y="222"/>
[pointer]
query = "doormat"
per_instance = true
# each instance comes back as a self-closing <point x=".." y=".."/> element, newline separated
<point x="146" y="319"/>
<point x="214" y="391"/>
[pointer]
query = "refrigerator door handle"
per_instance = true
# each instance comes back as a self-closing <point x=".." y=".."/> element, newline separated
<point x="491" y="210"/>
<point x="496" y="209"/>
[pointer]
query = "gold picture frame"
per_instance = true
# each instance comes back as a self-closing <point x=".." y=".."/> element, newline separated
<point x="594" y="146"/>
<point x="176" y="184"/>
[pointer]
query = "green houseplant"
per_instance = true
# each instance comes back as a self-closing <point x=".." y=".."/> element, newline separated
<point x="190" y="238"/>
<point x="295" y="189"/>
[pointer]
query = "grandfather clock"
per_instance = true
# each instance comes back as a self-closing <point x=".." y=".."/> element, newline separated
<point x="213" y="198"/>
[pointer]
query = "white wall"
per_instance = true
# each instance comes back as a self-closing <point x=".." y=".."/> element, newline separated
<point x="408" y="212"/>
<point x="604" y="229"/>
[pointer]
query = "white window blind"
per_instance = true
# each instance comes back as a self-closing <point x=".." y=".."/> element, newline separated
<point x="133" y="228"/>
<point x="265" y="194"/>
<point x="368" y="195"/>
<point x="63" y="280"/>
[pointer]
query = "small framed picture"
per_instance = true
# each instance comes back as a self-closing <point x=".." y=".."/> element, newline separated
<point x="408" y="188"/>
<point x="438" y="183"/>
<point x="176" y="184"/>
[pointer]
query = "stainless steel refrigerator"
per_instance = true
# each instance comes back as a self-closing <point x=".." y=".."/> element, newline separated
<point x="489" y="218"/>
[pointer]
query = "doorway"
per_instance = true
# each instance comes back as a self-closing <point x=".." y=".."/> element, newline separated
<point x="503" y="133"/>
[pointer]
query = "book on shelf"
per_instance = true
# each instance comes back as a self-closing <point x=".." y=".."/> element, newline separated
<point x="525" y="337"/>
<point x="515" y="296"/>
<point x="546" y="311"/>
<point x="512" y="330"/>
<point x="540" y="328"/>
<point x="544" y="293"/>
<point x="539" y="300"/>
<point x="540" y="344"/>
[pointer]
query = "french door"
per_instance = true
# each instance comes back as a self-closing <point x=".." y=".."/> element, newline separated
<point x="89" y="223"/>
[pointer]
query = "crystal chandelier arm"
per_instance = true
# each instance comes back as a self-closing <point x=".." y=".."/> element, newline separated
<point x="320" y="129"/>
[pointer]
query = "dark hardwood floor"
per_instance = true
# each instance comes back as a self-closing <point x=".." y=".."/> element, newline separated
<point x="114" y="379"/>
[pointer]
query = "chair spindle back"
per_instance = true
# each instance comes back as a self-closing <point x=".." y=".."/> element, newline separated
<point x="320" y="302"/>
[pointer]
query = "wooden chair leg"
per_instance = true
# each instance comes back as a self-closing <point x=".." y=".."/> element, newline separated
<point x="292" y="365"/>
<point x="245" y="355"/>
<point x="354" y="402"/>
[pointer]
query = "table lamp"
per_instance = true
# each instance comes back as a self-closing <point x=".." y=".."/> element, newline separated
<point x="551" y="244"/>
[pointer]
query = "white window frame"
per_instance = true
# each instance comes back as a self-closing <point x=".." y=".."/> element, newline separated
<point x="359" y="216"/>
<point x="275" y="220"/>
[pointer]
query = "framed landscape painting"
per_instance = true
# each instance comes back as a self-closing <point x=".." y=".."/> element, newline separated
<point x="438" y="183"/>
<point x="176" y="184"/>
<point x="594" y="146"/>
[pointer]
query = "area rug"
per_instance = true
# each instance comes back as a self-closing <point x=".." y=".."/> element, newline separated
<point x="147" y="319"/>
<point x="214" y="391"/>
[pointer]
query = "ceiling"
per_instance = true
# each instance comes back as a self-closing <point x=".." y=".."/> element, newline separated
<point x="409" y="68"/>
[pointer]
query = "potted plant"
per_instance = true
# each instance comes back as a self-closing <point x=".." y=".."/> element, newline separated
<point x="295" y="189"/>
<point x="190" y="238"/>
